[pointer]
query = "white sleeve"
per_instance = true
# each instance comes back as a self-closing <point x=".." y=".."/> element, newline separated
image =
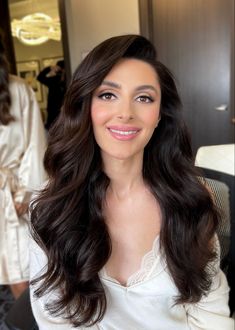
<point x="212" y="311"/>
<point x="31" y="172"/>
<point x="38" y="263"/>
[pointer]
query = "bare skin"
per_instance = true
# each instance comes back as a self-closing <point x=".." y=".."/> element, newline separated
<point x="18" y="288"/>
<point x="21" y="208"/>
<point x="134" y="219"/>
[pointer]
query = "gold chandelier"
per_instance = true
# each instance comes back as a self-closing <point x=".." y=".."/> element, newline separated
<point x="36" y="29"/>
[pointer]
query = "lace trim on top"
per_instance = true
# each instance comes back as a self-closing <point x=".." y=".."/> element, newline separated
<point x="147" y="268"/>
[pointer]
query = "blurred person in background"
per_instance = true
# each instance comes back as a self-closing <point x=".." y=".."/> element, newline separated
<point x="22" y="145"/>
<point x="54" y="78"/>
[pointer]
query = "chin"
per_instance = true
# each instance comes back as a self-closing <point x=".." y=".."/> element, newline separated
<point x="122" y="155"/>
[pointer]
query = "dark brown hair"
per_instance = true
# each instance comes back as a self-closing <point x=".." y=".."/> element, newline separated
<point x="5" y="99"/>
<point x="67" y="217"/>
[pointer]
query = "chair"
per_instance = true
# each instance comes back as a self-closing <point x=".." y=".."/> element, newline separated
<point x="217" y="163"/>
<point x="220" y="192"/>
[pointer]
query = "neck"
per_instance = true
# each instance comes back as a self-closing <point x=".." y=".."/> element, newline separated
<point x="125" y="176"/>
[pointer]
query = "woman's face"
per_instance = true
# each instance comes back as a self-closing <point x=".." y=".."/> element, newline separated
<point x="125" y="109"/>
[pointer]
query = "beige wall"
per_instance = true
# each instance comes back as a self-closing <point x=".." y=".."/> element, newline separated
<point x="27" y="53"/>
<point x="91" y="21"/>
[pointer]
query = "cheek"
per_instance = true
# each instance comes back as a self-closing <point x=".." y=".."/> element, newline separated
<point x="98" y="115"/>
<point x="151" y="118"/>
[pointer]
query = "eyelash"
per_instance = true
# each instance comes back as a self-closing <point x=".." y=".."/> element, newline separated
<point x="103" y="96"/>
<point x="107" y="96"/>
<point x="148" y="99"/>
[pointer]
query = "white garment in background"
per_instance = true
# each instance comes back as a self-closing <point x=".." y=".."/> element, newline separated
<point x="22" y="146"/>
<point x="219" y="158"/>
<point x="146" y="303"/>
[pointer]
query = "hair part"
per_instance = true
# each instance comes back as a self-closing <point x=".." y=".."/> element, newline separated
<point x="69" y="210"/>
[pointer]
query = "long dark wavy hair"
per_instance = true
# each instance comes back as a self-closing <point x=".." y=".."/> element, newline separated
<point x="5" y="98"/>
<point x="67" y="216"/>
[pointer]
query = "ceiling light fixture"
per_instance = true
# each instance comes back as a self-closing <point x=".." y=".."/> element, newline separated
<point x="36" y="29"/>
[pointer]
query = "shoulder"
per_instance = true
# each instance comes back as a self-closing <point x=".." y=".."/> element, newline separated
<point x="19" y="87"/>
<point x="20" y="91"/>
<point x="17" y="82"/>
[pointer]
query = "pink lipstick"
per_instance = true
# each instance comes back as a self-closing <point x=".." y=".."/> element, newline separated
<point x="123" y="133"/>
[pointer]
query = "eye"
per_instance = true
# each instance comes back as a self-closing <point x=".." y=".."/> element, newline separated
<point x="145" y="99"/>
<point x="107" y="96"/>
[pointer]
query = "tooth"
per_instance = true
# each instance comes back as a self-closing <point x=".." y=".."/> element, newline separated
<point x="123" y="132"/>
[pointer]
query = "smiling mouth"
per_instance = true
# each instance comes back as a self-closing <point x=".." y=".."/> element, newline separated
<point x="123" y="132"/>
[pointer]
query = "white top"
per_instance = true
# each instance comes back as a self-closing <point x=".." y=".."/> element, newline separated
<point x="218" y="158"/>
<point x="22" y="147"/>
<point x="146" y="303"/>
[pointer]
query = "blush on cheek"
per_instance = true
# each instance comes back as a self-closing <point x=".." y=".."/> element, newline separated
<point x="152" y="118"/>
<point x="98" y="115"/>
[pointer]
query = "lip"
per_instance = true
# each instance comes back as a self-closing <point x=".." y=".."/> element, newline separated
<point x="123" y="133"/>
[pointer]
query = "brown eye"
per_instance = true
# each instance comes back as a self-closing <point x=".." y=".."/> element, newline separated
<point x="144" y="99"/>
<point x="107" y="96"/>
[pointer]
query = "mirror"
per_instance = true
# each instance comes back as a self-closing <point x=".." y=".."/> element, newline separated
<point x="37" y="41"/>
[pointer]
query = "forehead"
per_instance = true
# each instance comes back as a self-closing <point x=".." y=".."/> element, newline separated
<point x="131" y="70"/>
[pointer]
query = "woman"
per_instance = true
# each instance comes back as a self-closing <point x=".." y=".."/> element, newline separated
<point x="125" y="231"/>
<point x="22" y="145"/>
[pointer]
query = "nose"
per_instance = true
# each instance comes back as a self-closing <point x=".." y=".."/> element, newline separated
<point x="125" y="110"/>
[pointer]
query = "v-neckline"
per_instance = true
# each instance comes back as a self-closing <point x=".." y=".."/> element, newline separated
<point x="146" y="270"/>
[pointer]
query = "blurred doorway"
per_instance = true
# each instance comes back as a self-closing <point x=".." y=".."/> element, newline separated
<point x="37" y="40"/>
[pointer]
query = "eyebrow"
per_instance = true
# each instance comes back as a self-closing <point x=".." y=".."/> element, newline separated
<point x="143" y="87"/>
<point x="111" y="84"/>
<point x="139" y="88"/>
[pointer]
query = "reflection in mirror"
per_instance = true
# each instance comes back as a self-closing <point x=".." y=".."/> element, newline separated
<point x="36" y="32"/>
